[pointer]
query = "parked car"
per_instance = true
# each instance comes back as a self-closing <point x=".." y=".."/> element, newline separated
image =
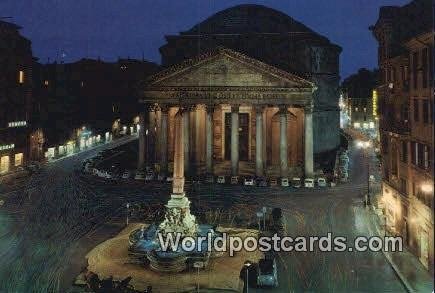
<point x="284" y="182"/>
<point x="261" y="181"/>
<point x="140" y="175"/>
<point x="309" y="182"/>
<point x="149" y="176"/>
<point x="234" y="179"/>
<point x="249" y="181"/>
<point x="321" y="182"/>
<point x="221" y="179"/>
<point x="126" y="175"/>
<point x="273" y="182"/>
<point x="104" y="174"/>
<point x="296" y="182"/>
<point x="267" y="273"/>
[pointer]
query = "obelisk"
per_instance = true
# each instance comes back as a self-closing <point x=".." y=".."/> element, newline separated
<point x="178" y="217"/>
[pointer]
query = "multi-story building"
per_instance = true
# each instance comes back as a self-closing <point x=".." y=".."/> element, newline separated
<point x="15" y="98"/>
<point x="359" y="94"/>
<point x="91" y="93"/>
<point x="406" y="42"/>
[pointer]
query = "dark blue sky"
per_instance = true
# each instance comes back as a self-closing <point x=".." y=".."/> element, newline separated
<point x="112" y="28"/>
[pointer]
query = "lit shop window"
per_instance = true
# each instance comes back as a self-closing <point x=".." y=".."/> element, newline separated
<point x="6" y="147"/>
<point x="4" y="164"/>
<point x="17" y="124"/>
<point x="46" y="83"/>
<point x="371" y="125"/>
<point x="357" y="125"/>
<point x="18" y="159"/>
<point x="21" y="77"/>
<point x="365" y="125"/>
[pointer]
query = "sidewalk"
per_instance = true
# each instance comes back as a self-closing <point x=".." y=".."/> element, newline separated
<point x="411" y="272"/>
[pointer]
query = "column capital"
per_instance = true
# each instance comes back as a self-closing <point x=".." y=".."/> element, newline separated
<point x="149" y="107"/>
<point x="235" y="108"/>
<point x="283" y="109"/>
<point x="164" y="108"/>
<point x="259" y="109"/>
<point x="210" y="108"/>
<point x="309" y="108"/>
<point x="188" y="107"/>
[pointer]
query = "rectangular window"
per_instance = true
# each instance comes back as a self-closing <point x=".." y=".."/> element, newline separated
<point x="384" y="144"/>
<point x="404" y="156"/>
<point x="420" y="155"/>
<point x="416" y="110"/>
<point x="414" y="153"/>
<point x="21" y="77"/>
<point x="424" y="65"/>
<point x="425" y="104"/>
<point x="18" y="159"/>
<point x="403" y="186"/>
<point x="426" y="158"/>
<point x="415" y="69"/>
<point x="4" y="164"/>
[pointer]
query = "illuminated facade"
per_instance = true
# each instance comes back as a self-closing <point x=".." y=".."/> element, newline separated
<point x="261" y="87"/>
<point x="15" y="97"/>
<point x="359" y="94"/>
<point x="405" y="94"/>
<point x="237" y="109"/>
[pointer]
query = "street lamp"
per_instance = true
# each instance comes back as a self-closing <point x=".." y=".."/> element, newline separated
<point x="365" y="145"/>
<point x="259" y="216"/>
<point x="128" y="212"/>
<point x="247" y="265"/>
<point x="427" y="187"/>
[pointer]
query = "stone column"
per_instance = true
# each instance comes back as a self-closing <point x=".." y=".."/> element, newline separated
<point x="209" y="140"/>
<point x="283" y="141"/>
<point x="234" y="140"/>
<point x="308" y="141"/>
<point x="186" y="137"/>
<point x="179" y="152"/>
<point x="152" y="135"/>
<point x="164" y="139"/>
<point x="142" y="143"/>
<point x="259" y="165"/>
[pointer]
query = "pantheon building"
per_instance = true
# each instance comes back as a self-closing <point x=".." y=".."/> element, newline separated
<point x="258" y="91"/>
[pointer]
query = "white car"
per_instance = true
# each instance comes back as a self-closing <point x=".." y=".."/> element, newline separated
<point x="249" y="181"/>
<point x="284" y="182"/>
<point x="321" y="182"/>
<point x="221" y="179"/>
<point x="309" y="182"/>
<point x="126" y="174"/>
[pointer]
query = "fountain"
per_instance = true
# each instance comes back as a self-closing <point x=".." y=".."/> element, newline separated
<point x="178" y="219"/>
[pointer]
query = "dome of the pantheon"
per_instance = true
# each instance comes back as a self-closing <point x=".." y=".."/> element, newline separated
<point x="248" y="18"/>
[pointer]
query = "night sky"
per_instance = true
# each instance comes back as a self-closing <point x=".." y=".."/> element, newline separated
<point x="131" y="28"/>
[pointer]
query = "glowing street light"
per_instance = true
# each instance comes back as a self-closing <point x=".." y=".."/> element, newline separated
<point x="427" y="187"/>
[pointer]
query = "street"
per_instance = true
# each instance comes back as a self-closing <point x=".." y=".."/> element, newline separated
<point x="47" y="228"/>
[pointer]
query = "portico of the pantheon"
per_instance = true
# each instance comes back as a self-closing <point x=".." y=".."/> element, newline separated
<point x="236" y="111"/>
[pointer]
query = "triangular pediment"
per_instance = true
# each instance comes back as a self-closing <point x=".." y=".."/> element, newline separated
<point x="226" y="68"/>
